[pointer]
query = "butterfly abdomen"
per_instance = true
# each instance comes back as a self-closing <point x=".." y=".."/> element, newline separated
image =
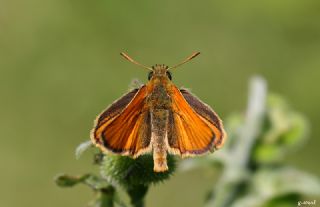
<point x="159" y="122"/>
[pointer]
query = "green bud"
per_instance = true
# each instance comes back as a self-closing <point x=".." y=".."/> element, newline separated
<point x="128" y="172"/>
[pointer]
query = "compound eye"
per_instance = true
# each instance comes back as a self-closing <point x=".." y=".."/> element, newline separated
<point x="169" y="75"/>
<point x="150" y="75"/>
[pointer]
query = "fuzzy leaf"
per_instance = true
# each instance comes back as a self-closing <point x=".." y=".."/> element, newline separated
<point x="92" y="181"/>
<point x="84" y="146"/>
<point x="69" y="181"/>
<point x="283" y="185"/>
<point x="284" y="130"/>
<point x="96" y="183"/>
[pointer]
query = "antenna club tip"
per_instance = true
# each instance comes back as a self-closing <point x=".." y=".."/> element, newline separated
<point x="126" y="56"/>
<point x="133" y="61"/>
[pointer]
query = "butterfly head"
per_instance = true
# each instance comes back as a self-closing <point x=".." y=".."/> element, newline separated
<point x="159" y="71"/>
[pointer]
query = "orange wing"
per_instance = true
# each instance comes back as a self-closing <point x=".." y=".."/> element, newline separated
<point x="206" y="112"/>
<point x="191" y="133"/>
<point x="127" y="132"/>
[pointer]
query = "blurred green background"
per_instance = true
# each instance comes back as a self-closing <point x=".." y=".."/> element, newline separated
<point x="60" y="67"/>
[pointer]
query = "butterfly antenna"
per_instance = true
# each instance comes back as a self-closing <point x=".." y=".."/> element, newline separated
<point x="133" y="61"/>
<point x="186" y="60"/>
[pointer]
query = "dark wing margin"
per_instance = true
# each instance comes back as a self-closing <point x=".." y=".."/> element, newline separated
<point x="206" y="112"/>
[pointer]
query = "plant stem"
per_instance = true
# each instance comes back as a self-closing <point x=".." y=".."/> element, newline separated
<point x="137" y="194"/>
<point x="236" y="166"/>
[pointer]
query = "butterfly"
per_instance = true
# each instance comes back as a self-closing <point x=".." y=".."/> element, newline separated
<point x="158" y="118"/>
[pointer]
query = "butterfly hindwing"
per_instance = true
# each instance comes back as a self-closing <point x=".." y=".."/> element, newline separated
<point x="190" y="132"/>
<point x="125" y="131"/>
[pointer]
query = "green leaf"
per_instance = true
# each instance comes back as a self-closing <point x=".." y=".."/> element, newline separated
<point x="64" y="180"/>
<point x="90" y="180"/>
<point x="284" y="130"/>
<point x="96" y="183"/>
<point x="283" y="201"/>
<point x="278" y="185"/>
<point x="285" y="180"/>
<point x="267" y="154"/>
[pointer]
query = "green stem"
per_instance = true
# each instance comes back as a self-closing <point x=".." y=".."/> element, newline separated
<point x="104" y="198"/>
<point x="137" y="194"/>
<point x="107" y="196"/>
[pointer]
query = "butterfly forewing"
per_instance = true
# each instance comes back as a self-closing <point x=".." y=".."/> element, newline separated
<point x="129" y="131"/>
<point x="189" y="132"/>
<point x="116" y="108"/>
<point x="206" y="112"/>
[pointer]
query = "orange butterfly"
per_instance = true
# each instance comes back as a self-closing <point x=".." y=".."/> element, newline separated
<point x="160" y="118"/>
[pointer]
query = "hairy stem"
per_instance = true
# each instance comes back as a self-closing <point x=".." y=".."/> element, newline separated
<point x="236" y="167"/>
<point x="137" y="194"/>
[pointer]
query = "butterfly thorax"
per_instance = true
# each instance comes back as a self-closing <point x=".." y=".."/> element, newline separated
<point x="159" y="85"/>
